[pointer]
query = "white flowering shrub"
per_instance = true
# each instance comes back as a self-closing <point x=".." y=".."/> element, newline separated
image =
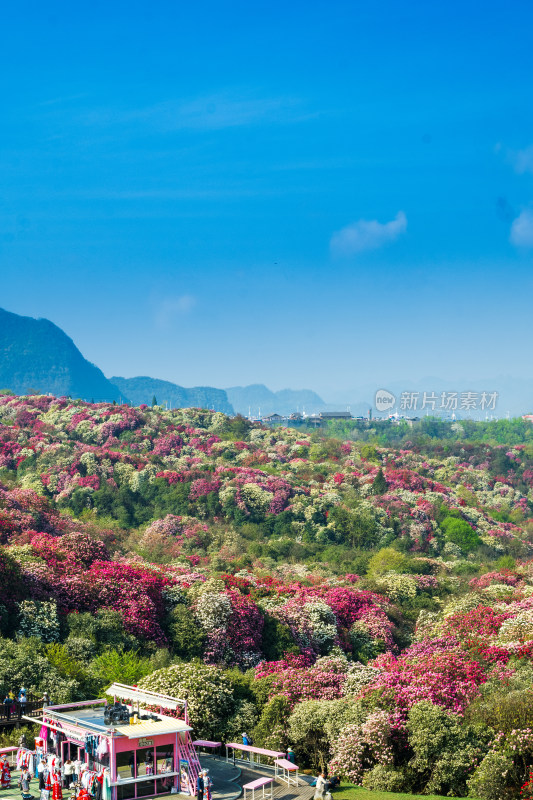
<point x="358" y="677"/>
<point x="213" y="610"/>
<point x="208" y="692"/>
<point x="39" y="619"/>
<point x="255" y="498"/>
<point x="324" y="625"/>
<point x="397" y="587"/>
<point x="517" y="629"/>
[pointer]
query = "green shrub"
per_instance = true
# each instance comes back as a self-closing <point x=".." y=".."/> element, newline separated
<point x="444" y="751"/>
<point x="459" y="532"/>
<point x="489" y="781"/>
<point x="384" y="778"/>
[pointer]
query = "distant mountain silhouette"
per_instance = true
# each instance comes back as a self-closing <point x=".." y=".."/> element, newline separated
<point x="257" y="396"/>
<point x="36" y="355"/>
<point x="142" y="389"/>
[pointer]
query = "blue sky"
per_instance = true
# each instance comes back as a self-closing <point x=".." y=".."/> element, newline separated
<point x="319" y="194"/>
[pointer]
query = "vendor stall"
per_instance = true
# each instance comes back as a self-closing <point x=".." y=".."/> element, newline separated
<point x="125" y="749"/>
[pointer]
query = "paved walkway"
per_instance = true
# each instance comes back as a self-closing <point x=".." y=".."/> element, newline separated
<point x="250" y="771"/>
<point x="227" y="779"/>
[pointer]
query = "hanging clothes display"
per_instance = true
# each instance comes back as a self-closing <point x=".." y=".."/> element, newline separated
<point x="106" y="785"/>
<point x="39" y="762"/>
<point x="102" y="747"/>
<point x="91" y="781"/>
<point x="25" y="759"/>
<point x="91" y="744"/>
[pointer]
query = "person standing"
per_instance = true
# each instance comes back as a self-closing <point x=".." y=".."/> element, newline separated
<point x="41" y="766"/>
<point x="22" y="700"/>
<point x="25" y="779"/>
<point x="208" y="783"/>
<point x="200" y="786"/>
<point x="77" y="767"/>
<point x="7" y="706"/>
<point x="290" y="755"/>
<point x="320" y="787"/>
<point x="69" y="771"/>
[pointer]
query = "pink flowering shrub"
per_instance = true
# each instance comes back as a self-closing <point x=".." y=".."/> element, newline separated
<point x="446" y="678"/>
<point x="360" y="747"/>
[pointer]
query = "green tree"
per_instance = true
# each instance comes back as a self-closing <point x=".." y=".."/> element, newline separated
<point x="271" y="730"/>
<point x="122" y="666"/>
<point x="186" y="636"/>
<point x="355" y="527"/>
<point x="277" y="639"/>
<point x="308" y="732"/>
<point x="379" y="484"/>
<point x="106" y="627"/>
<point x="24" y="663"/>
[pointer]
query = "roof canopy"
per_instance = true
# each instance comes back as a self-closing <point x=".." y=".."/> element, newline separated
<point x="146" y="729"/>
<point x="144" y="696"/>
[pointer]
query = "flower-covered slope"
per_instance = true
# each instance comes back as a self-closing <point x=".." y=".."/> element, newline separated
<point x="379" y="600"/>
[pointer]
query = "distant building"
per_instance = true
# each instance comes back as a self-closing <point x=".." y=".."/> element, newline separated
<point x="325" y="415"/>
<point x="528" y="417"/>
<point x="314" y="421"/>
<point x="273" y="419"/>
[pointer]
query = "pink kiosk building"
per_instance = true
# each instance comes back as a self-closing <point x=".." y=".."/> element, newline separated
<point x="145" y="752"/>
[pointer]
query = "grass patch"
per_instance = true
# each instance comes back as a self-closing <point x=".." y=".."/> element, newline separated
<point x="348" y="791"/>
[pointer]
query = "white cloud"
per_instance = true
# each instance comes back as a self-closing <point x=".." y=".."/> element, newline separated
<point x="173" y="307"/>
<point x="367" y="234"/>
<point x="522" y="229"/>
<point x="523" y="160"/>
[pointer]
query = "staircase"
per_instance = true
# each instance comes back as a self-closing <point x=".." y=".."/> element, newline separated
<point x="187" y="752"/>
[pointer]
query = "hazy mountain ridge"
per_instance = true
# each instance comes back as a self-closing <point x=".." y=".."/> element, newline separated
<point x="142" y="389"/>
<point x="37" y="355"/>
<point x="257" y="396"/>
